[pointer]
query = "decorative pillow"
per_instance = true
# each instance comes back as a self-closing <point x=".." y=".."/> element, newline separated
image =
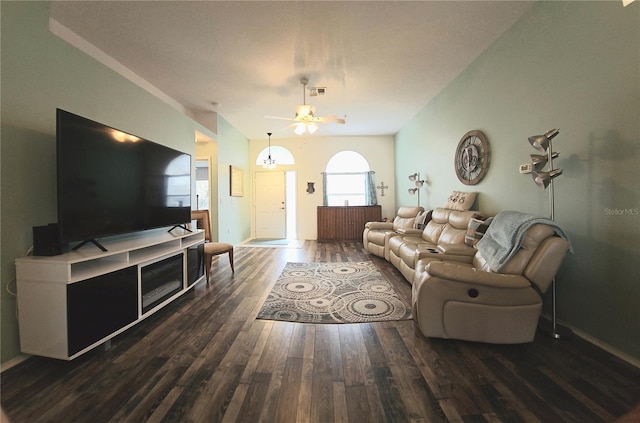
<point x="461" y="201"/>
<point x="476" y="230"/>
<point x="422" y="219"/>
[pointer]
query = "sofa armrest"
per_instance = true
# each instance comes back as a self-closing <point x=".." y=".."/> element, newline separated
<point x="379" y="225"/>
<point x="457" y="250"/>
<point x="434" y="252"/>
<point x="466" y="274"/>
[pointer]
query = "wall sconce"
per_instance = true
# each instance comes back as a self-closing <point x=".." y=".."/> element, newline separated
<point x="544" y="179"/>
<point x="310" y="187"/>
<point x="419" y="183"/>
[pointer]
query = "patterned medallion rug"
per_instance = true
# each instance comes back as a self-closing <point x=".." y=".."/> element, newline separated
<point x="348" y="292"/>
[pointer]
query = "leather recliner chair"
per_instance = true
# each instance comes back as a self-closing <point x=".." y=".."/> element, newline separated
<point x="376" y="235"/>
<point x="471" y="302"/>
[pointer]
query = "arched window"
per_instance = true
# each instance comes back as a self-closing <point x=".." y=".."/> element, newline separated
<point x="348" y="181"/>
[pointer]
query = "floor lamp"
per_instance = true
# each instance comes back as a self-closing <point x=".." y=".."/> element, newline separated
<point x="544" y="179"/>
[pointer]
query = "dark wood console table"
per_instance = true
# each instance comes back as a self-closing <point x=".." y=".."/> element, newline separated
<point x="345" y="223"/>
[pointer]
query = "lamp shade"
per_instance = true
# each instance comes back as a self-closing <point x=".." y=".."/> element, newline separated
<point x="541" y="142"/>
<point x="300" y="128"/>
<point x="543" y="179"/>
<point x="413" y="177"/>
<point x="412" y="191"/>
<point x="538" y="161"/>
<point x="312" y="127"/>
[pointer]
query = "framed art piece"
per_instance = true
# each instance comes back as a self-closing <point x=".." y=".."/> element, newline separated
<point x="236" y="181"/>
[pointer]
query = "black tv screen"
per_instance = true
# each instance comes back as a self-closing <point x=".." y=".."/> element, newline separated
<point x="111" y="182"/>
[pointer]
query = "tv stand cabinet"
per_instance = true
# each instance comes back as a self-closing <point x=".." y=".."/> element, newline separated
<point x="74" y="302"/>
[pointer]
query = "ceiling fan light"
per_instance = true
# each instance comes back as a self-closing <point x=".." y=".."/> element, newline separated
<point x="312" y="127"/>
<point x="300" y="128"/>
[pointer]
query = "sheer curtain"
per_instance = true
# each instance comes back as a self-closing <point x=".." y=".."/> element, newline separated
<point x="325" y="197"/>
<point x="370" y="188"/>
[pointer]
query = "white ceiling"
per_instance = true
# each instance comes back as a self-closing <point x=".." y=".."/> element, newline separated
<point x="381" y="61"/>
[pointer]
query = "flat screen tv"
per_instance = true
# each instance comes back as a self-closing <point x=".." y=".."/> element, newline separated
<point x="111" y="182"/>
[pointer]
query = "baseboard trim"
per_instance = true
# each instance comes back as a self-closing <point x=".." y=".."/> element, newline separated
<point x="608" y="348"/>
<point x="597" y="342"/>
<point x="13" y="362"/>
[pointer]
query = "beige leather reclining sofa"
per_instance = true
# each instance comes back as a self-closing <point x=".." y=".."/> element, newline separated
<point x="443" y="234"/>
<point x="465" y="292"/>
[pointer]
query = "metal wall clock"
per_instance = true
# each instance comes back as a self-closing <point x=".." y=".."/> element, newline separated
<point x="472" y="157"/>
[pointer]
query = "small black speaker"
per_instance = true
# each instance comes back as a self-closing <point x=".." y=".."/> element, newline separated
<point x="46" y="240"/>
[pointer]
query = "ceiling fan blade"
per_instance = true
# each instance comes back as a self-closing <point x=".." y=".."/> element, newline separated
<point x="328" y="119"/>
<point x="277" y="117"/>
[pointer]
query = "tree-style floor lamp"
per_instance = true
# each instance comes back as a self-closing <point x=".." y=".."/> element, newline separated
<point x="544" y="179"/>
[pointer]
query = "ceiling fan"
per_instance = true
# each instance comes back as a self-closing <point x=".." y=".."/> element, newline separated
<point x="305" y="119"/>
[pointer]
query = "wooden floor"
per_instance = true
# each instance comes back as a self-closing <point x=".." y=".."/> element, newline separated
<point x="205" y="358"/>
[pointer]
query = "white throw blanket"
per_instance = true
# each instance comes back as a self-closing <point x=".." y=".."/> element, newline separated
<point x="506" y="233"/>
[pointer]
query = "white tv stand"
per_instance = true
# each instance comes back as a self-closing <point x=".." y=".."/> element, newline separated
<point x="71" y="303"/>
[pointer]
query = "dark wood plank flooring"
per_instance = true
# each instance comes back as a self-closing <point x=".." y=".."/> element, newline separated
<point x="205" y="358"/>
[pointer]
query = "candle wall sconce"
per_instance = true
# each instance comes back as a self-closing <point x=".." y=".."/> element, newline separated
<point x="419" y="183"/>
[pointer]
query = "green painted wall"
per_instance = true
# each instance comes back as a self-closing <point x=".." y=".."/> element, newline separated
<point x="41" y="72"/>
<point x="575" y="66"/>
<point x="234" y="213"/>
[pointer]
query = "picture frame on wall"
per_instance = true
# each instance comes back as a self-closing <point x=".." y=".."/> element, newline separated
<point x="236" y="184"/>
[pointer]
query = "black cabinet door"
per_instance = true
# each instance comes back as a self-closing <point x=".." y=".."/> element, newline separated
<point x="99" y="306"/>
<point x="195" y="263"/>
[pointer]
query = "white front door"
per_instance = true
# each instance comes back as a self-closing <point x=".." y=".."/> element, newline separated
<point x="270" y="205"/>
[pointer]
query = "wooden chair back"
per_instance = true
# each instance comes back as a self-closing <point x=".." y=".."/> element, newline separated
<point x="203" y="222"/>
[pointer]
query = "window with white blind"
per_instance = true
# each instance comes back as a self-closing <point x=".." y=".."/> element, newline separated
<point x="348" y="181"/>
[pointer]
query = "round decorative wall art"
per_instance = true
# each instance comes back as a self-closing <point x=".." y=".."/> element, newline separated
<point x="472" y="157"/>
